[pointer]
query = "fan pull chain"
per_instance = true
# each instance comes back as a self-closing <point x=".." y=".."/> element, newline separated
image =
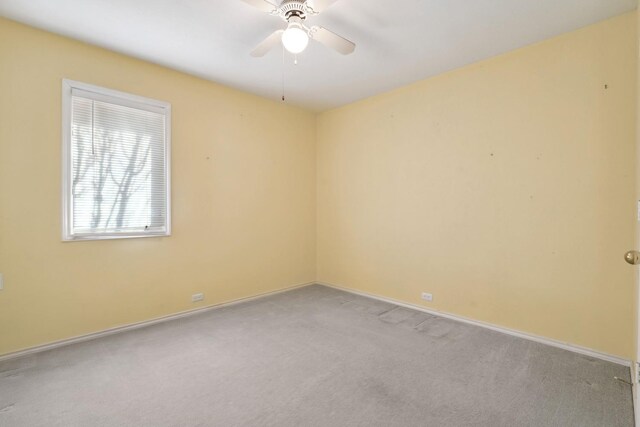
<point x="283" y="73"/>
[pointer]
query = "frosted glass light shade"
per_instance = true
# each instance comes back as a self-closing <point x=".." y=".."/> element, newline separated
<point x="295" y="39"/>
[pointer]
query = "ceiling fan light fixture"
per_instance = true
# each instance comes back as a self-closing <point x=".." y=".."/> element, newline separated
<point x="295" y="39"/>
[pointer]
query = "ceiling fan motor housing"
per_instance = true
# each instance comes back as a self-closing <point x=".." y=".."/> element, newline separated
<point x="293" y="8"/>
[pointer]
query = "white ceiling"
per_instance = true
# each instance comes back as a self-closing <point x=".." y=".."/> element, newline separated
<point x="398" y="41"/>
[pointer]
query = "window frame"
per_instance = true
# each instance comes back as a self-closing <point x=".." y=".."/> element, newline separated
<point x="119" y="98"/>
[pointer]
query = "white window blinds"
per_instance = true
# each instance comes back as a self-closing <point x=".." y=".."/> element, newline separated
<point x="118" y="165"/>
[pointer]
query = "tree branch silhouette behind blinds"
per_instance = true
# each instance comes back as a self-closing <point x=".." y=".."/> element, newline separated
<point x="118" y="163"/>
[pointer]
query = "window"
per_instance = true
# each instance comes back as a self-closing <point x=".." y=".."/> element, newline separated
<point x="116" y="169"/>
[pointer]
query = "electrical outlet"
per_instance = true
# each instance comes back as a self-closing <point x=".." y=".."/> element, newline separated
<point x="427" y="296"/>
<point x="197" y="297"/>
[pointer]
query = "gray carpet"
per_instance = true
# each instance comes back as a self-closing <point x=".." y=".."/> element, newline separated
<point x="312" y="357"/>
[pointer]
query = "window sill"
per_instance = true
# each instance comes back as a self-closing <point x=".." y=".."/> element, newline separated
<point x="86" y="237"/>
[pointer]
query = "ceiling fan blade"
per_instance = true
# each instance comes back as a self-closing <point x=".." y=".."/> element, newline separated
<point x="263" y="5"/>
<point x="332" y="40"/>
<point x="320" y="5"/>
<point x="267" y="44"/>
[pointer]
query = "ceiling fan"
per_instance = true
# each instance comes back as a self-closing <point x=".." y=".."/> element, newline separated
<point x="295" y="37"/>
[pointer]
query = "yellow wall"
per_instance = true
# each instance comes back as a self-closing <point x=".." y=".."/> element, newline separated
<point x="243" y="197"/>
<point x="505" y="188"/>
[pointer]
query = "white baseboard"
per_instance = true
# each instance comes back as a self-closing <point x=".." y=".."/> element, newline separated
<point x="548" y="341"/>
<point x="138" y="325"/>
